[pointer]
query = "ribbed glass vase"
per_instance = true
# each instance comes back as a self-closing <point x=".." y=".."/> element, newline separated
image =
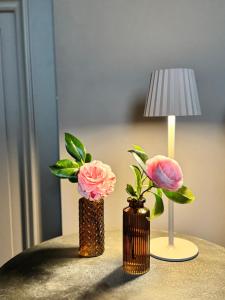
<point x="136" y="237"/>
<point x="91" y="227"/>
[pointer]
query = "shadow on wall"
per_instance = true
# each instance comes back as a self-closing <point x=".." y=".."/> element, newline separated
<point x="137" y="114"/>
<point x="131" y="113"/>
<point x="137" y="111"/>
<point x="224" y="119"/>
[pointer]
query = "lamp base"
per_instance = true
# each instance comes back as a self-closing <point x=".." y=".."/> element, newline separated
<point x="182" y="250"/>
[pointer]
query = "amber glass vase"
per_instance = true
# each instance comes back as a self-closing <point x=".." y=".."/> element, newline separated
<point x="136" y="238"/>
<point x="91" y="227"/>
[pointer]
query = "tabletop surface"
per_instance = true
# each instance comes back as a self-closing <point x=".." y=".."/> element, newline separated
<point x="54" y="270"/>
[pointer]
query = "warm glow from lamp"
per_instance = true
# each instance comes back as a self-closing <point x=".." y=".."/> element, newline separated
<point x="171" y="135"/>
<point x="171" y="150"/>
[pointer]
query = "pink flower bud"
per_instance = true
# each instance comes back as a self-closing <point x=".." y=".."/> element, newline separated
<point x="164" y="172"/>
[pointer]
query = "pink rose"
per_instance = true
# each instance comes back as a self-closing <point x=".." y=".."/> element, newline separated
<point x="164" y="172"/>
<point x="95" y="180"/>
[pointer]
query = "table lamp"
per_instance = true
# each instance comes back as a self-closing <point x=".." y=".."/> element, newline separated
<point x="172" y="92"/>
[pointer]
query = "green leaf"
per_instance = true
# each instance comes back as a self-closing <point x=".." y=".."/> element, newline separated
<point x="150" y="183"/>
<point x="182" y="196"/>
<point x="158" y="208"/>
<point x="130" y="190"/>
<point x="138" y="177"/>
<point x="159" y="191"/>
<point x="66" y="163"/>
<point x="140" y="158"/>
<point x="139" y="148"/>
<point x="64" y="168"/>
<point x="75" y="147"/>
<point x="73" y="179"/>
<point x="142" y="155"/>
<point x="88" y="158"/>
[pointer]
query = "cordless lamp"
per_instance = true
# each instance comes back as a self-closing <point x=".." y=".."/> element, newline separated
<point x="172" y="92"/>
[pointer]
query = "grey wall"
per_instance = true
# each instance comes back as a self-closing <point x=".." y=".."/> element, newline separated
<point x="43" y="83"/>
<point x="105" y="53"/>
<point x="30" y="207"/>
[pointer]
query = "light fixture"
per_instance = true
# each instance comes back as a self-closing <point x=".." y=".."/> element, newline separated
<point x="172" y="92"/>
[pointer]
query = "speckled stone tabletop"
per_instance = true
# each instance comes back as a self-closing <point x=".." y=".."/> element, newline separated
<point x="54" y="270"/>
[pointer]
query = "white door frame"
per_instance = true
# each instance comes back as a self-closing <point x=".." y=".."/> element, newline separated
<point x="38" y="190"/>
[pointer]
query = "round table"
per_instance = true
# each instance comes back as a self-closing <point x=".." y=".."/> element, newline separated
<point x="54" y="270"/>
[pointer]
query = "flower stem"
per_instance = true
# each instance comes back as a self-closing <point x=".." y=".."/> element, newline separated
<point x="147" y="190"/>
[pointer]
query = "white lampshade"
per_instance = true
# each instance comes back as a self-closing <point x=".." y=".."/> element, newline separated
<point x="172" y="92"/>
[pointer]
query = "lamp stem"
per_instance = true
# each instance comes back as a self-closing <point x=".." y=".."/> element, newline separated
<point x="171" y="151"/>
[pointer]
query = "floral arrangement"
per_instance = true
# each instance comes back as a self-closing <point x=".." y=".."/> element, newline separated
<point x="95" y="179"/>
<point x="158" y="175"/>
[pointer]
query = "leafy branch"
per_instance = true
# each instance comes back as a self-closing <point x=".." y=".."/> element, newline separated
<point x="181" y="196"/>
<point x="67" y="168"/>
